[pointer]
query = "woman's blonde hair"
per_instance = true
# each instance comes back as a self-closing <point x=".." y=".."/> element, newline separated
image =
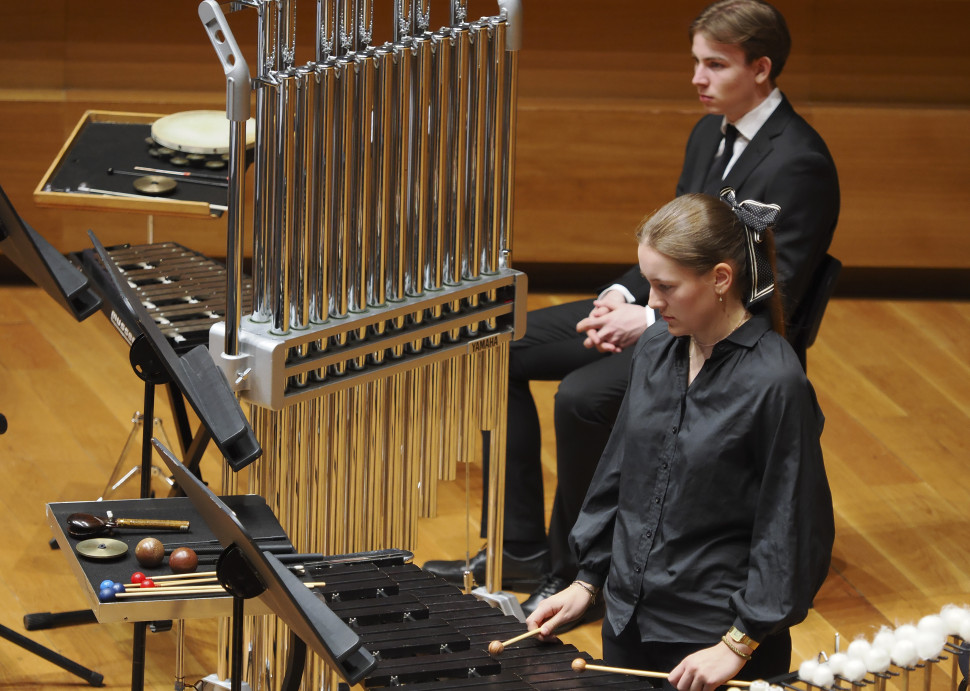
<point x="699" y="231"/>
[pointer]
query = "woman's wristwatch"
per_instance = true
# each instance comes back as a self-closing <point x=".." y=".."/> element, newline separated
<point x="735" y="636"/>
<point x="739" y="636"/>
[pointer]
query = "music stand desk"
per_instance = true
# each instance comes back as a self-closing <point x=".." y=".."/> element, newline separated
<point x="251" y="510"/>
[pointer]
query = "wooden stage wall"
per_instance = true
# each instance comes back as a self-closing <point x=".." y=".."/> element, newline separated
<point x="605" y="107"/>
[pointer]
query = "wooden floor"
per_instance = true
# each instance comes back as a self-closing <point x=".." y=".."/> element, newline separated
<point x="892" y="377"/>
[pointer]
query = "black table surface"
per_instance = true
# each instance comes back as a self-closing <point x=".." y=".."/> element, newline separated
<point x="121" y="146"/>
<point x="251" y="510"/>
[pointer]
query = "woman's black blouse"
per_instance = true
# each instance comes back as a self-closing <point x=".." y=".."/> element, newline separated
<point x="710" y="506"/>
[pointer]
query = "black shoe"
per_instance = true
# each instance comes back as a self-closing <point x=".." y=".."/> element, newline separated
<point x="552" y="585"/>
<point x="518" y="573"/>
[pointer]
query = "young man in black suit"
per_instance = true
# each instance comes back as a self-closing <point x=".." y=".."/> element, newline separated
<point x="752" y="140"/>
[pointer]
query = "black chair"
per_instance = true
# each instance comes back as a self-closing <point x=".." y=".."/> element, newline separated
<point x="803" y="327"/>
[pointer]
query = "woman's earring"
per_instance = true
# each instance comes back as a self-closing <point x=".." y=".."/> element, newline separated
<point x="720" y="298"/>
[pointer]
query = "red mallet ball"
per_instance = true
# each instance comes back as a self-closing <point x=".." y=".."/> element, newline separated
<point x="137" y="577"/>
<point x="183" y="560"/>
<point x="150" y="552"/>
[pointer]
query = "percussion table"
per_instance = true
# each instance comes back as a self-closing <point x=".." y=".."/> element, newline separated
<point x="251" y="510"/>
<point x="104" y="141"/>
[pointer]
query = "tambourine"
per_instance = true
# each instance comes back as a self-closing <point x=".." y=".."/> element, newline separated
<point x="198" y="132"/>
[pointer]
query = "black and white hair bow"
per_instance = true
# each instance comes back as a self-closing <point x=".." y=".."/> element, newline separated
<point x="757" y="218"/>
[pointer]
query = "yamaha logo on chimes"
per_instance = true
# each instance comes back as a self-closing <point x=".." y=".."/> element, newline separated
<point x="383" y="300"/>
<point x="483" y="344"/>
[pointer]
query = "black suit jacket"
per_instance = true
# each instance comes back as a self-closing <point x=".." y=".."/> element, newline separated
<point x="787" y="163"/>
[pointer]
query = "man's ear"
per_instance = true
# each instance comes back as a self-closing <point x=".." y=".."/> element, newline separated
<point x="762" y="69"/>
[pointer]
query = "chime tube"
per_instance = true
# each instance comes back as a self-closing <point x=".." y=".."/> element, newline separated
<point x="380" y="206"/>
<point x="508" y="169"/>
<point x="265" y="121"/>
<point x="402" y="226"/>
<point x="364" y="237"/>
<point x="286" y="188"/>
<point x="492" y="250"/>
<point x="319" y="198"/>
<point x="481" y="150"/>
<point x="443" y="238"/>
<point x="384" y="123"/>
<point x="303" y="183"/>
<point x="363" y="272"/>
<point x="421" y="174"/>
<point x="457" y="258"/>
<point x="497" y="75"/>
<point x="342" y="184"/>
<point x="478" y="159"/>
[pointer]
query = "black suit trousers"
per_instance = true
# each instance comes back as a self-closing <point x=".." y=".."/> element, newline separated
<point x="586" y="404"/>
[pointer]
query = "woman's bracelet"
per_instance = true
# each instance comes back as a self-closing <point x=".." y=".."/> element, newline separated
<point x="589" y="589"/>
<point x="734" y="649"/>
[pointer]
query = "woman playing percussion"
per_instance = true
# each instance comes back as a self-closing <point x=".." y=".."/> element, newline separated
<point x="709" y="522"/>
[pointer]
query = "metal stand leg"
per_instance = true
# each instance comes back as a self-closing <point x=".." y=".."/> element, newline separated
<point x="138" y="656"/>
<point x="90" y="676"/>
<point x="128" y="468"/>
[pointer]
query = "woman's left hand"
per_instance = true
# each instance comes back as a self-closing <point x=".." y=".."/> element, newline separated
<point x="706" y="669"/>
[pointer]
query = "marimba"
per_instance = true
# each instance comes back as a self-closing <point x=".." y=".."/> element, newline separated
<point x="427" y="634"/>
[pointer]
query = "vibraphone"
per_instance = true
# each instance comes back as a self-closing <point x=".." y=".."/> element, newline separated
<point x="375" y="354"/>
<point x="427" y="634"/>
<point x="183" y="290"/>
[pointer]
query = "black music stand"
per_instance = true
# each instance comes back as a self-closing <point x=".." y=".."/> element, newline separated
<point x="246" y="571"/>
<point x="44" y="265"/>
<point x="194" y="373"/>
<point x="60" y="279"/>
<point x="197" y="377"/>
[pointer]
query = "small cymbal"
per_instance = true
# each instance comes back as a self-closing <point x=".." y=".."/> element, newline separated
<point x="154" y="185"/>
<point x="101" y="548"/>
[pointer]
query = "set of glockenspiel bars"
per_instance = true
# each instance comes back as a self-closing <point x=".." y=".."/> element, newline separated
<point x="376" y="353"/>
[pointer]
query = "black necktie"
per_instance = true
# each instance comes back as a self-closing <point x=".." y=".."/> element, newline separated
<point x="716" y="173"/>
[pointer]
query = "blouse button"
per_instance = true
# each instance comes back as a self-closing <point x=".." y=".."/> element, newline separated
<point x="673" y="430"/>
<point x="637" y="569"/>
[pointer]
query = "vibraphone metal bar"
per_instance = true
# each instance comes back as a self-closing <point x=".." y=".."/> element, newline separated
<point x="375" y="355"/>
<point x="183" y="290"/>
